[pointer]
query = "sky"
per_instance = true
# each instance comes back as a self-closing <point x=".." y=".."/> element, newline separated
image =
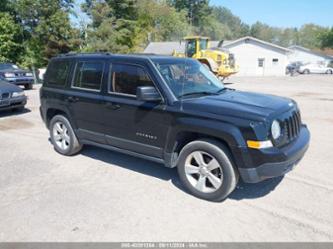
<point x="281" y="13"/>
<point x="278" y="13"/>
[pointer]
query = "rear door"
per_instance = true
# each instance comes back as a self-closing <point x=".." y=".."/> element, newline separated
<point x="85" y="99"/>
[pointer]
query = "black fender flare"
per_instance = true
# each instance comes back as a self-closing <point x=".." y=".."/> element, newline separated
<point x="223" y="131"/>
<point x="61" y="108"/>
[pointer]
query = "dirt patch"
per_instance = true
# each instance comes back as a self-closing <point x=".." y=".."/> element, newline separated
<point x="14" y="124"/>
<point x="329" y="120"/>
<point x="306" y="94"/>
<point x="326" y="99"/>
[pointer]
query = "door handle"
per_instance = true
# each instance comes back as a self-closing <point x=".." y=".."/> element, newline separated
<point x="72" y="99"/>
<point x="112" y="106"/>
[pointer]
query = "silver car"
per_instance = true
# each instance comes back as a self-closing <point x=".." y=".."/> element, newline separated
<point x="315" y="68"/>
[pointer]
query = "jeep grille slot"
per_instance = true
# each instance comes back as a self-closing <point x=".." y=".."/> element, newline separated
<point x="5" y="96"/>
<point x="293" y="125"/>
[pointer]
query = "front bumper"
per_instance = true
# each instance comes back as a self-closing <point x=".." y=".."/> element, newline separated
<point x="20" y="80"/>
<point x="12" y="103"/>
<point x="279" y="161"/>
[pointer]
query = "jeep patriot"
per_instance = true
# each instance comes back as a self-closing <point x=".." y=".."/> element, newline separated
<point x="175" y="112"/>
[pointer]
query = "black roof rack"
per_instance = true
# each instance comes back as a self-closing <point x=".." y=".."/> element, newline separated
<point x="85" y="53"/>
<point x="142" y="54"/>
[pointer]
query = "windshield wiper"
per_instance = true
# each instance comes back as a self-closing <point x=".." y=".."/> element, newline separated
<point x="197" y="93"/>
<point x="224" y="89"/>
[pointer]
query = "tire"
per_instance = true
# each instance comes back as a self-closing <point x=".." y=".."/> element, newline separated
<point x="306" y="71"/>
<point x="28" y="86"/>
<point x="190" y="176"/>
<point x="63" y="137"/>
<point x="19" y="109"/>
<point x="329" y="71"/>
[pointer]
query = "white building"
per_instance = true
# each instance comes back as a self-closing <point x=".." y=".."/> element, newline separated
<point x="254" y="57"/>
<point x="259" y="58"/>
<point x="306" y="55"/>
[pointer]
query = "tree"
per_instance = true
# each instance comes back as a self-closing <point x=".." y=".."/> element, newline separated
<point x="113" y="25"/>
<point x="327" y="39"/>
<point x="263" y="31"/>
<point x="162" y="22"/>
<point x="10" y="38"/>
<point x="47" y="29"/>
<point x="128" y="27"/>
<point x="310" y="35"/>
<point x="197" y="10"/>
<point x="236" y="27"/>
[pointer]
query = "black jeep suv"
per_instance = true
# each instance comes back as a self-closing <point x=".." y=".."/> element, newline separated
<point x="173" y="111"/>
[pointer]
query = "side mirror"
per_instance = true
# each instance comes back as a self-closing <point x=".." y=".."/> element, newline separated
<point x="148" y="93"/>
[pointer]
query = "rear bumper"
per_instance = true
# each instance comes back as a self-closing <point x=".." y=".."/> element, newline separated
<point x="291" y="155"/>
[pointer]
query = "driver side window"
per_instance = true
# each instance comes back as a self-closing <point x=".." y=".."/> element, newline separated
<point x="126" y="78"/>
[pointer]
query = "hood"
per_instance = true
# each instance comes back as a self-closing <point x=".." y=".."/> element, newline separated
<point x="7" y="87"/>
<point x="14" y="71"/>
<point x="240" y="104"/>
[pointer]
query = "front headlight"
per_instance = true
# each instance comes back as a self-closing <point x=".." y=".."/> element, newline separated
<point x="29" y="74"/>
<point x="17" y="94"/>
<point x="276" y="129"/>
<point x="9" y="75"/>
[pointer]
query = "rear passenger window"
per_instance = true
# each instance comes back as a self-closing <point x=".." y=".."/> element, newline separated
<point x="126" y="78"/>
<point x="88" y="75"/>
<point x="57" y="73"/>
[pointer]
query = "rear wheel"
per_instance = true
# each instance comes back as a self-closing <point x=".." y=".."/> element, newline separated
<point x="63" y="137"/>
<point x="329" y="71"/>
<point x="19" y="109"/>
<point x="206" y="169"/>
<point x="28" y="86"/>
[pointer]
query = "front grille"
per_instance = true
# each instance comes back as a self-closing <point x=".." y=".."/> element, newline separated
<point x="5" y="95"/>
<point x="293" y="125"/>
<point x="19" y="74"/>
<point x="290" y="127"/>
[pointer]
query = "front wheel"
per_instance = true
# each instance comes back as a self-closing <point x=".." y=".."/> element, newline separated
<point x="329" y="71"/>
<point x="206" y="169"/>
<point x="28" y="86"/>
<point x="63" y="137"/>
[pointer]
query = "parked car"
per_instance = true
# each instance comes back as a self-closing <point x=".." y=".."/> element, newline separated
<point x="293" y="67"/>
<point x="172" y="111"/>
<point x="11" y="97"/>
<point x="315" y="68"/>
<point x="13" y="74"/>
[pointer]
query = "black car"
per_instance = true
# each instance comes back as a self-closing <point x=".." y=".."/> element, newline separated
<point x="172" y="111"/>
<point x="13" y="74"/>
<point x="11" y="97"/>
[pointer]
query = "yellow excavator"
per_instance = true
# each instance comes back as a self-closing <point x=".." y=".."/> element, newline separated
<point x="219" y="60"/>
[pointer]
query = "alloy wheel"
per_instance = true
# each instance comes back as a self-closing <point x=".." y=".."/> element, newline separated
<point x="61" y="135"/>
<point x="203" y="171"/>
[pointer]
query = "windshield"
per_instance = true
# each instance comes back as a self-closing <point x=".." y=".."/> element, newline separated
<point x="189" y="77"/>
<point x="7" y="66"/>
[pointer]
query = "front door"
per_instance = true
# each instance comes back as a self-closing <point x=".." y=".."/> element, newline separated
<point x="134" y="125"/>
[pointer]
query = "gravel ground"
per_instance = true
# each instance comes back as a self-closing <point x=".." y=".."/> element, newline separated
<point x="105" y="196"/>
